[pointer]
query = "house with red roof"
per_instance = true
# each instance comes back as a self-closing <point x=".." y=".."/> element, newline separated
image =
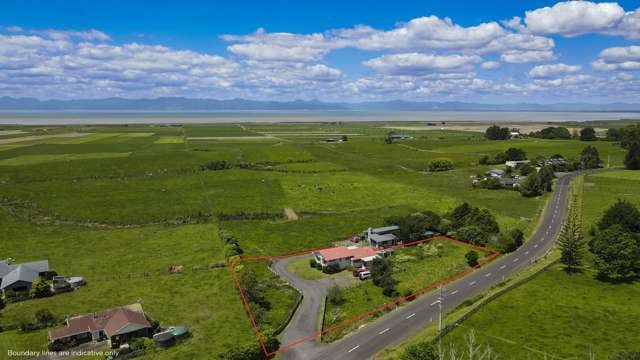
<point x="342" y="257"/>
<point x="117" y="326"/>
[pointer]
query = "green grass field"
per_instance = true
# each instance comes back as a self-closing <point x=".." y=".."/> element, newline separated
<point x="113" y="202"/>
<point x="566" y="315"/>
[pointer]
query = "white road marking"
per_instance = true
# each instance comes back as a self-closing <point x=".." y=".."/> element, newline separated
<point x="354" y="348"/>
<point x="516" y="259"/>
<point x="410" y="316"/>
<point x="472" y="283"/>
<point x="535" y="245"/>
<point x="454" y="292"/>
<point x="434" y="303"/>
<point x="383" y="331"/>
<point x="526" y="252"/>
<point x="489" y="274"/>
<point x="503" y="266"/>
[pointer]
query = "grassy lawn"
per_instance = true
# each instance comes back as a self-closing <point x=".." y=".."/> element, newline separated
<point x="415" y="268"/>
<point x="302" y="269"/>
<point x="560" y="315"/>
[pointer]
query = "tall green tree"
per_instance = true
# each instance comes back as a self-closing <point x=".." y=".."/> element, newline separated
<point x="590" y="158"/>
<point x="531" y="186"/>
<point x="622" y="213"/>
<point x="632" y="158"/>
<point x="588" y="134"/>
<point x="546" y="178"/>
<point x="571" y="241"/>
<point x="617" y="254"/>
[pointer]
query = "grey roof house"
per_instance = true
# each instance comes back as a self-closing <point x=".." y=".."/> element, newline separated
<point x="382" y="236"/>
<point x="20" y="277"/>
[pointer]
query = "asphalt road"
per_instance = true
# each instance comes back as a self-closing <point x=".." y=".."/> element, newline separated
<point x="400" y="324"/>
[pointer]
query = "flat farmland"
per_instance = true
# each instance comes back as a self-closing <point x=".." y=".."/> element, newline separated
<point x="120" y="201"/>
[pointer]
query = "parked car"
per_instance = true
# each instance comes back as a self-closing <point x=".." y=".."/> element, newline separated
<point x="358" y="271"/>
<point x="365" y="275"/>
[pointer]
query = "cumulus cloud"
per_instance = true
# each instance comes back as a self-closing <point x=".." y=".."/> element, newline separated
<point x="490" y="65"/>
<point x="526" y="56"/>
<point x="618" y="58"/>
<point x="572" y="18"/>
<point x="421" y="34"/>
<point x="551" y="70"/>
<point x="421" y="64"/>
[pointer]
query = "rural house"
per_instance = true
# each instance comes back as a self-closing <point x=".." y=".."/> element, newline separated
<point x="19" y="277"/>
<point x="495" y="173"/>
<point x="342" y="257"/>
<point x="117" y="326"/>
<point x="382" y="237"/>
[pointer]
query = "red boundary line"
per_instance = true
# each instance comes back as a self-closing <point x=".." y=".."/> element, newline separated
<point x="232" y="263"/>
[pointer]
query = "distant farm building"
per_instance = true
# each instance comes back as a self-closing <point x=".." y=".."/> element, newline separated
<point x="495" y="173"/>
<point x="516" y="163"/>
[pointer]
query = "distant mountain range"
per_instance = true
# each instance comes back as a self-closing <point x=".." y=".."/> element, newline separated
<point x="187" y="104"/>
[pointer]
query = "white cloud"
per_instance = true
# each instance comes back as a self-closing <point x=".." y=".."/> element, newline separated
<point x="618" y="58"/>
<point x="572" y="18"/>
<point x="551" y="70"/>
<point x="522" y="57"/>
<point x="87" y="35"/>
<point x="490" y="65"/>
<point x="418" y="64"/>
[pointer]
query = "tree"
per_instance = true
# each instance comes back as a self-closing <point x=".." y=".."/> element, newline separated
<point x="381" y="271"/>
<point x="552" y="132"/>
<point x="571" y="240"/>
<point x="630" y="136"/>
<point x="526" y="169"/>
<point x="44" y="317"/>
<point x="483" y="219"/>
<point x="617" y="254"/>
<point x="621" y="213"/>
<point x="613" y="134"/>
<point x="344" y="138"/>
<point x="531" y="186"/>
<point x="335" y="295"/>
<point x="460" y="213"/>
<point x="632" y="158"/>
<point x="590" y="158"/>
<point x="495" y="132"/>
<point x="588" y="134"/>
<point x="546" y="178"/>
<point x="517" y="236"/>
<point x="473" y="235"/>
<point x="421" y="351"/>
<point x="472" y="258"/>
<point x="40" y="288"/>
<point x="251" y="288"/>
<point x="515" y="154"/>
<point x="440" y="165"/>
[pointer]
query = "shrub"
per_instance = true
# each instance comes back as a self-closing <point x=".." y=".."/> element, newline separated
<point x="335" y="295"/>
<point x="472" y="258"/>
<point x="420" y="351"/>
<point x="44" y="317"/>
<point x="312" y="263"/>
<point x="473" y="235"/>
<point x="40" y="288"/>
<point x="440" y="165"/>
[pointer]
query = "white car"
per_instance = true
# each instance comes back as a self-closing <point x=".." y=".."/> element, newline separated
<point x="365" y="275"/>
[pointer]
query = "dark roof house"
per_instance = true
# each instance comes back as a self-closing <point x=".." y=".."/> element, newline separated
<point x="117" y="325"/>
<point x="20" y="277"/>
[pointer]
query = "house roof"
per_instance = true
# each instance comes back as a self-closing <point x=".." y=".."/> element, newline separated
<point x="385" y="229"/>
<point x="342" y="252"/>
<point x="116" y="321"/>
<point x="5" y="268"/>
<point x="27" y="272"/>
<point x="382" y="237"/>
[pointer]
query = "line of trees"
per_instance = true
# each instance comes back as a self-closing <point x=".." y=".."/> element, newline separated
<point x="537" y="183"/>
<point x="511" y="154"/>
<point x="496" y="132"/>
<point x="472" y="224"/>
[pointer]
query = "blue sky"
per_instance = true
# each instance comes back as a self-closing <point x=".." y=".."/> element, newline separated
<point x="489" y="51"/>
